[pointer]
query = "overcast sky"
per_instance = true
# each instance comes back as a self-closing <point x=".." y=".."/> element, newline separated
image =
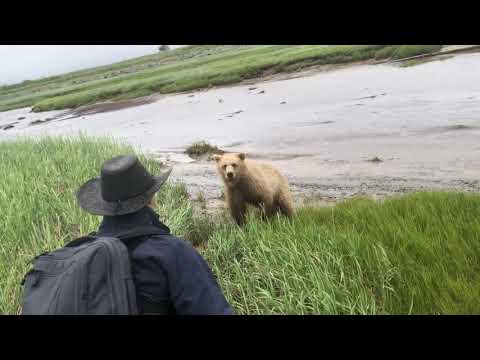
<point x="28" y="62"/>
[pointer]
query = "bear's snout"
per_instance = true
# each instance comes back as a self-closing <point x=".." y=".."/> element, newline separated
<point x="230" y="175"/>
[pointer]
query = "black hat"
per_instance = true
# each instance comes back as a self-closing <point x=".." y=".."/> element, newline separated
<point x="124" y="187"/>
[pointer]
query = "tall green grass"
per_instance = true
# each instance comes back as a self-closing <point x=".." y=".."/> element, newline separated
<point x="190" y="68"/>
<point x="413" y="255"/>
<point x="417" y="254"/>
<point x="39" y="211"/>
<point x="405" y="51"/>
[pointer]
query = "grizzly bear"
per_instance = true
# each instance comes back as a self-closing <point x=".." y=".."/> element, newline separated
<point x="249" y="182"/>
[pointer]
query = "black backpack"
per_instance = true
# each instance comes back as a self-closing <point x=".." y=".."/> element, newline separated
<point x="89" y="276"/>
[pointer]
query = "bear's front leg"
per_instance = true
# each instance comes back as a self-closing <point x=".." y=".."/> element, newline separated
<point x="238" y="212"/>
<point x="267" y="208"/>
<point x="237" y="207"/>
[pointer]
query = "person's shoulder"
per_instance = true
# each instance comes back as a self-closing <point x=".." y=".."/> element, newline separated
<point x="167" y="242"/>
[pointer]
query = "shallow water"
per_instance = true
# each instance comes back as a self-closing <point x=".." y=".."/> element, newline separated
<point x="422" y="121"/>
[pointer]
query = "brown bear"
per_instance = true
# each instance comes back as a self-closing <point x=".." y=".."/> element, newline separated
<point x="249" y="182"/>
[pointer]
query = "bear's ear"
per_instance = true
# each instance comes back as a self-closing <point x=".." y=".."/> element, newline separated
<point x="216" y="157"/>
<point x="242" y="156"/>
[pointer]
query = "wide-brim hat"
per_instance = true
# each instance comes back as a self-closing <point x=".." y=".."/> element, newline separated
<point x="124" y="187"/>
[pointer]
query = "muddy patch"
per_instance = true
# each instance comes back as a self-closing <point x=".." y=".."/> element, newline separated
<point x="9" y="126"/>
<point x="229" y="115"/>
<point x="267" y="157"/>
<point x="447" y="129"/>
<point x="375" y="160"/>
<point x="106" y="107"/>
<point x="420" y="61"/>
<point x="313" y="123"/>
<point x="40" y="122"/>
<point x="370" y="97"/>
<point x="308" y="70"/>
<point x="236" y="144"/>
<point x="362" y="136"/>
<point x="456" y="128"/>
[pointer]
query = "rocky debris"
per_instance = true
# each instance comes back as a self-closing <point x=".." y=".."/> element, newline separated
<point x="261" y="92"/>
<point x="9" y="126"/>
<point x="38" y="122"/>
<point x="192" y="95"/>
<point x="283" y="102"/>
<point x="232" y="114"/>
<point x="376" y="159"/>
<point x="220" y="100"/>
<point x="252" y="88"/>
<point x="370" y="97"/>
<point x="21" y="118"/>
<point x="459" y="127"/>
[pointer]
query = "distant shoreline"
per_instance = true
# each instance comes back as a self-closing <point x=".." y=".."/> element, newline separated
<point x="193" y="68"/>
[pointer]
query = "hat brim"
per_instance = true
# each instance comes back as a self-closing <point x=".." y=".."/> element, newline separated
<point x="89" y="198"/>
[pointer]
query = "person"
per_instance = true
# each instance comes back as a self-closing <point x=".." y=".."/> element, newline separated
<point x="170" y="276"/>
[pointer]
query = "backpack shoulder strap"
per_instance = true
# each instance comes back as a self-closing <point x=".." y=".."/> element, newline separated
<point x="80" y="241"/>
<point x="140" y="231"/>
<point x="131" y="234"/>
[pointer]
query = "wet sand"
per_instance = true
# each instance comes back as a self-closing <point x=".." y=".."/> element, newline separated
<point x="320" y="129"/>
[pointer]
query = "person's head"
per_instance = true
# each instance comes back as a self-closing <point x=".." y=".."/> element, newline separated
<point x="125" y="186"/>
<point x="230" y="167"/>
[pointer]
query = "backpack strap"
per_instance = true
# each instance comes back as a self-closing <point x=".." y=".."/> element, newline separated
<point x="80" y="241"/>
<point x="140" y="231"/>
<point x="131" y="234"/>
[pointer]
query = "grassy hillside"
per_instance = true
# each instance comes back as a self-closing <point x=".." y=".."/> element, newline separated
<point x="416" y="254"/>
<point x="188" y="68"/>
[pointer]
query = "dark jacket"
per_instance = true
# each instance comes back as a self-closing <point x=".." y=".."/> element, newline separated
<point x="167" y="269"/>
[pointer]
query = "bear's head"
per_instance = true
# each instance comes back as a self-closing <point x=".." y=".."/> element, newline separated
<point x="230" y="167"/>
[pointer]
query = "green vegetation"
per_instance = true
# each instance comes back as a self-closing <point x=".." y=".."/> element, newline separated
<point x="405" y="51"/>
<point x="415" y="254"/>
<point x="201" y="148"/>
<point x="186" y="69"/>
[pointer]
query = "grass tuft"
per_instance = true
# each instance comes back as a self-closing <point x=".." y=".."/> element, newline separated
<point x="202" y="148"/>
